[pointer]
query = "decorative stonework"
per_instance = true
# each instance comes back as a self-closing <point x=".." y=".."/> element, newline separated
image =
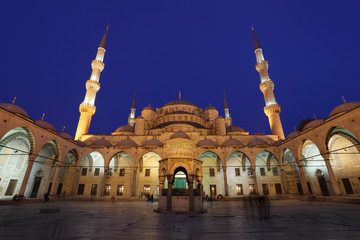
<point x="273" y="108"/>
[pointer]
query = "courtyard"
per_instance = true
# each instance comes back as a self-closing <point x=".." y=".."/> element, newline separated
<point x="290" y="219"/>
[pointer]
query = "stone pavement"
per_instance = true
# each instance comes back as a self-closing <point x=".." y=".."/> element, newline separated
<point x="290" y="219"/>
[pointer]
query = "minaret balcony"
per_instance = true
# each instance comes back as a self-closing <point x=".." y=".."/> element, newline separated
<point x="266" y="85"/>
<point x="272" y="108"/>
<point x="98" y="65"/>
<point x="87" y="107"/>
<point x="93" y="84"/>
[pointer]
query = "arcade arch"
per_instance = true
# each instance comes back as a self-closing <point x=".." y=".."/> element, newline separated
<point x="268" y="174"/>
<point x="291" y="172"/>
<point x="148" y="175"/>
<point x="213" y="175"/>
<point x="238" y="171"/>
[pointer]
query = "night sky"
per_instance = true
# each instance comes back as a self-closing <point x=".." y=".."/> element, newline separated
<point x="157" y="48"/>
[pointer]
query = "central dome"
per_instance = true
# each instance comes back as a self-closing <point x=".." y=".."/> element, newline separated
<point x="179" y="101"/>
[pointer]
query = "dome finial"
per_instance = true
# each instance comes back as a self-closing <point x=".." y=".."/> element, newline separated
<point x="314" y="116"/>
<point x="13" y="102"/>
<point x="63" y="128"/>
<point x="343" y="99"/>
<point x="179" y="94"/>
<point x="42" y="118"/>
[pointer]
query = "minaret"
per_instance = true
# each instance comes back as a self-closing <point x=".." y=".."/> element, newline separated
<point x="87" y="107"/>
<point x="272" y="109"/>
<point x="131" y="119"/>
<point x="227" y="113"/>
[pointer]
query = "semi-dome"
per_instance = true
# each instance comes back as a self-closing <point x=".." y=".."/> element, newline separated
<point x="293" y="134"/>
<point x="127" y="143"/>
<point x="179" y="134"/>
<point x="257" y="141"/>
<point x="232" y="142"/>
<point x="101" y="142"/>
<point x="14" y="109"/>
<point x="44" y="124"/>
<point x="66" y="135"/>
<point x="233" y="128"/>
<point x="153" y="143"/>
<point x="314" y="123"/>
<point x="344" y="108"/>
<point x="206" y="143"/>
<point x="179" y="101"/>
<point x="125" y="128"/>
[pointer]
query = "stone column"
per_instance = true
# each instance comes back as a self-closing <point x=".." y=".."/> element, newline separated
<point x="256" y="189"/>
<point x="303" y="180"/>
<point x="104" y="182"/>
<point x="191" y="192"/>
<point x="333" y="181"/>
<point x="169" y="193"/>
<point x="133" y="184"/>
<point x="27" y="174"/>
<point x="55" y="179"/>
<point x="161" y="187"/>
<point x="283" y="177"/>
<point x="75" y="181"/>
<point x="225" y="183"/>
<point x="201" y="194"/>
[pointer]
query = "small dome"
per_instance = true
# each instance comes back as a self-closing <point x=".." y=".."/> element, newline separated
<point x="127" y="142"/>
<point x="233" y="128"/>
<point x="232" y="142"/>
<point x="206" y="143"/>
<point x="14" y="109"/>
<point x="125" y="128"/>
<point x="44" y="124"/>
<point x="179" y="101"/>
<point x="210" y="108"/>
<point x="314" y="123"/>
<point x="149" y="108"/>
<point x="81" y="144"/>
<point x="179" y="134"/>
<point x="257" y="141"/>
<point x="66" y="135"/>
<point x="101" y="142"/>
<point x="293" y="134"/>
<point x="153" y="143"/>
<point x="344" y="108"/>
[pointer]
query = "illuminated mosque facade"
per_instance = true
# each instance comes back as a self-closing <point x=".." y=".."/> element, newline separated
<point x="180" y="153"/>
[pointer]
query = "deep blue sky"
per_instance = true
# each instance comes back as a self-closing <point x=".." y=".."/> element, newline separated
<point x="159" y="47"/>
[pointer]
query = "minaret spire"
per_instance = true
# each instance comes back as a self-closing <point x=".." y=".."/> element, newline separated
<point x="272" y="108"/>
<point x="131" y="119"/>
<point x="87" y="107"/>
<point x="227" y="112"/>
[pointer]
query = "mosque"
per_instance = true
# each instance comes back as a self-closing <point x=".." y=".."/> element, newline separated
<point x="180" y="153"/>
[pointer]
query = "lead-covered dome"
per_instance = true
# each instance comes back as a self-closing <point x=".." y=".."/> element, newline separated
<point x="232" y="142"/>
<point x="127" y="143"/>
<point x="314" y="123"/>
<point x="14" y="109"/>
<point x="344" y="108"/>
<point x="153" y="143"/>
<point x="44" y="124"/>
<point x="293" y="134"/>
<point x="206" y="143"/>
<point x="233" y="128"/>
<point x="66" y="135"/>
<point x="257" y="141"/>
<point x="179" y="134"/>
<point x="179" y="101"/>
<point x="125" y="128"/>
<point x="101" y="142"/>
